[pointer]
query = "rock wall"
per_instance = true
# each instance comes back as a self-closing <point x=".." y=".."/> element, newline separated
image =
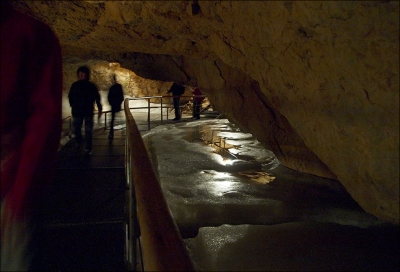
<point x="316" y="81"/>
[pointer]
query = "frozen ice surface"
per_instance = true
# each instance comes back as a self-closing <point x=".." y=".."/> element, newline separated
<point x="213" y="174"/>
<point x="296" y="246"/>
<point x="225" y="187"/>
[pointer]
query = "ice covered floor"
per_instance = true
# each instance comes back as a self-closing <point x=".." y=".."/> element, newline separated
<point x="296" y="246"/>
<point x="238" y="208"/>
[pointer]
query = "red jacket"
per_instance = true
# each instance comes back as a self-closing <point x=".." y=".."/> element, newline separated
<point x="31" y="89"/>
<point x="197" y="92"/>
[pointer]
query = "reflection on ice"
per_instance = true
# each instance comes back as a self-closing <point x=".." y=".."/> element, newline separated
<point x="227" y="162"/>
<point x="222" y="175"/>
<point x="221" y="188"/>
<point x="261" y="177"/>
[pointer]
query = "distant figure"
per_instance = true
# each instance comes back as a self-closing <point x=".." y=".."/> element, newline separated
<point x="115" y="98"/>
<point x="31" y="92"/>
<point x="82" y="96"/>
<point x="197" y="100"/>
<point x="176" y="90"/>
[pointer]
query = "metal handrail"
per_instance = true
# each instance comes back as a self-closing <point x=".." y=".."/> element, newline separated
<point x="162" y="246"/>
<point x="161" y="107"/>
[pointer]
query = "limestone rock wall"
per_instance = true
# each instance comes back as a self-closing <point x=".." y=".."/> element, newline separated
<point x="317" y="81"/>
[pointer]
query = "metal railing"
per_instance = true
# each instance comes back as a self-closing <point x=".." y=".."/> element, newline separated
<point x="153" y="241"/>
<point x="162" y="107"/>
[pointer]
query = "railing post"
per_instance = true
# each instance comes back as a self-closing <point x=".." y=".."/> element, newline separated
<point x="180" y="108"/>
<point x="161" y="111"/>
<point x="167" y="112"/>
<point x="148" y="114"/>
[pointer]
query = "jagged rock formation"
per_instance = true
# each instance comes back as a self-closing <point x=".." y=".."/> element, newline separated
<point x="316" y="82"/>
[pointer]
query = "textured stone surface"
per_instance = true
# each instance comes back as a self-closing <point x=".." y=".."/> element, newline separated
<point x="317" y="82"/>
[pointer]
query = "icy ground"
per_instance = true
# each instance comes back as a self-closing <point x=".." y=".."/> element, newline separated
<point x="238" y="208"/>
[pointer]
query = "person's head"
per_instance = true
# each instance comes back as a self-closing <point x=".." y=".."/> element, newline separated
<point x="83" y="72"/>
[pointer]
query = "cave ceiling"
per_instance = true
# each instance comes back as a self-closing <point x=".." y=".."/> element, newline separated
<point x="317" y="82"/>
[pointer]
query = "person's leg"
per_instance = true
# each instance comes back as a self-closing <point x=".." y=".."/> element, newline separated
<point x="88" y="133"/>
<point x="77" y="127"/>
<point x="111" y="135"/>
<point x="196" y="109"/>
<point x="177" y="110"/>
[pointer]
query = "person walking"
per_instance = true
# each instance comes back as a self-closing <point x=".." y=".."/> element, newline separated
<point x="197" y="100"/>
<point x="82" y="96"/>
<point x="115" y="98"/>
<point x="176" y="90"/>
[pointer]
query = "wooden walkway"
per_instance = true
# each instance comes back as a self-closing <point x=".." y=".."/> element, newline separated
<point x="81" y="223"/>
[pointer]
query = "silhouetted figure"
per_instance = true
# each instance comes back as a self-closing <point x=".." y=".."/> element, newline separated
<point x="82" y="96"/>
<point x="197" y="100"/>
<point x="176" y="90"/>
<point x="31" y="93"/>
<point x="195" y="7"/>
<point x="115" y="98"/>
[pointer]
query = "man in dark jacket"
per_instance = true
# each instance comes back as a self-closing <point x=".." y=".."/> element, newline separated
<point x="82" y="96"/>
<point x="176" y="90"/>
<point x="115" y="98"/>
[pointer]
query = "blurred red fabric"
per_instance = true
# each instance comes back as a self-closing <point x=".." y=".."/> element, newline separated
<point x="31" y="93"/>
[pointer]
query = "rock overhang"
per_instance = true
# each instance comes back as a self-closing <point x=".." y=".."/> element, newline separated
<point x="316" y="82"/>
